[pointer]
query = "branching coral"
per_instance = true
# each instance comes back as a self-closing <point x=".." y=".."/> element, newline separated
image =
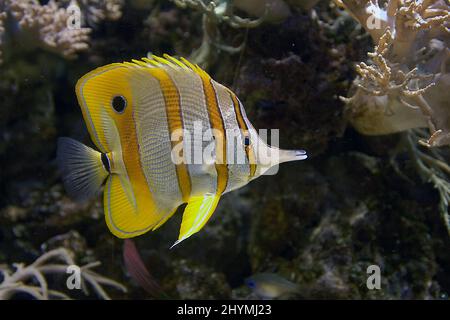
<point x="32" y="280"/>
<point x="432" y="166"/>
<point x="405" y="85"/>
<point x="46" y="26"/>
<point x="49" y="26"/>
<point x="95" y="11"/>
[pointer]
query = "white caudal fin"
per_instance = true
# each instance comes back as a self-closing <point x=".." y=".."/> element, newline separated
<point x="81" y="168"/>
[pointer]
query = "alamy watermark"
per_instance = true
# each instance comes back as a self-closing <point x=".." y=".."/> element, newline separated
<point x="74" y="19"/>
<point x="74" y="279"/>
<point x="205" y="145"/>
<point x="374" y="279"/>
<point x="375" y="18"/>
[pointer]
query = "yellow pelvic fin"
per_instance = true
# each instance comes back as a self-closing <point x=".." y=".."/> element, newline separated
<point x="197" y="213"/>
<point x="123" y="217"/>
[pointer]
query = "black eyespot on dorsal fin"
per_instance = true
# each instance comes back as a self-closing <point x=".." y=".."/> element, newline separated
<point x="246" y="141"/>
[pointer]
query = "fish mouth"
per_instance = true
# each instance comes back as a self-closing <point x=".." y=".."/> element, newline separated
<point x="299" y="153"/>
<point x="290" y="155"/>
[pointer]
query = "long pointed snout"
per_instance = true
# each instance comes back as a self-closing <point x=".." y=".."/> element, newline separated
<point x="291" y="155"/>
<point x="277" y="156"/>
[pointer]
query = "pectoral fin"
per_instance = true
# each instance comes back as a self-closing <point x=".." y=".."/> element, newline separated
<point x="197" y="213"/>
<point x="81" y="168"/>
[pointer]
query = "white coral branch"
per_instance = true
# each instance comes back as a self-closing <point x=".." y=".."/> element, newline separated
<point x="434" y="169"/>
<point x="31" y="279"/>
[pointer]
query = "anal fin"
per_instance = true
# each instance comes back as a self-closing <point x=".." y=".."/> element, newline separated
<point x="124" y="218"/>
<point x="197" y="213"/>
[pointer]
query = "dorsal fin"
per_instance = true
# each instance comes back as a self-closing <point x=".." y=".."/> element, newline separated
<point x="168" y="61"/>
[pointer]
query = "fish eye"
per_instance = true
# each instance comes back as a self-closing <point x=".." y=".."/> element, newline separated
<point x="119" y="103"/>
<point x="247" y="141"/>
